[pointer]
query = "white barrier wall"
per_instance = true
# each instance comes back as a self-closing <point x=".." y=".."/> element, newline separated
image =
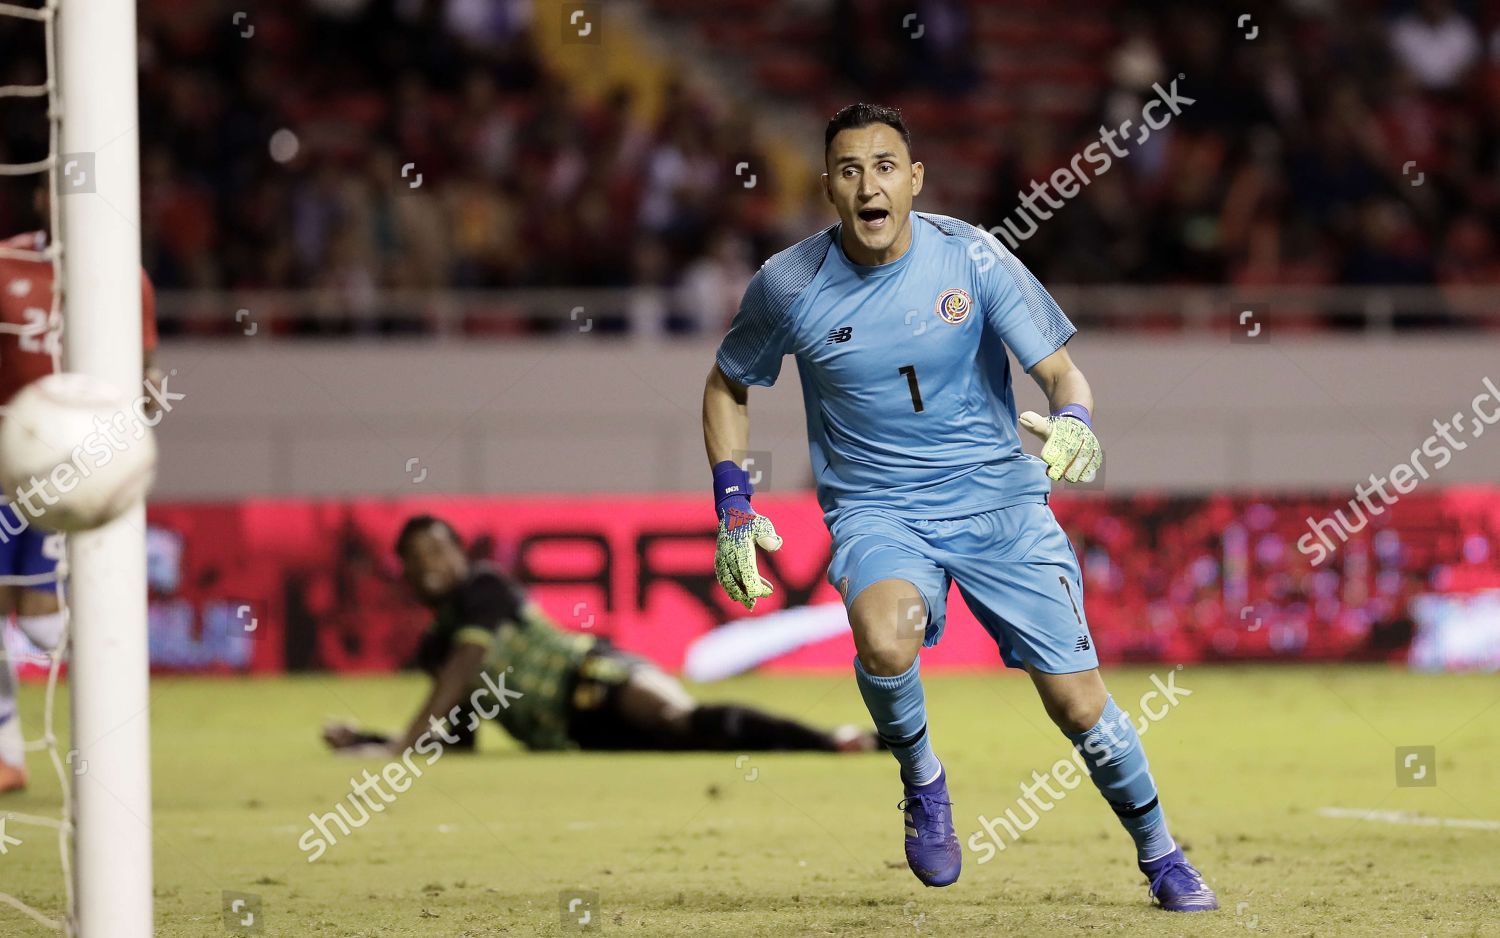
<point x="581" y="414"/>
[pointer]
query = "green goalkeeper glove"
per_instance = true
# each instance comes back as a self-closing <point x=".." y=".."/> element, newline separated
<point x="741" y="530"/>
<point x="1072" y="452"/>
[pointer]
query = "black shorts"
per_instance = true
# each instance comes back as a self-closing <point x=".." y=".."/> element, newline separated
<point x="594" y="720"/>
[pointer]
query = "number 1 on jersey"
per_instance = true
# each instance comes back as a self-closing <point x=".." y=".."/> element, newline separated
<point x="911" y="382"/>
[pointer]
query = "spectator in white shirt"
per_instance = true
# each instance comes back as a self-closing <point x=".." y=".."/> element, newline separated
<point x="1436" y="44"/>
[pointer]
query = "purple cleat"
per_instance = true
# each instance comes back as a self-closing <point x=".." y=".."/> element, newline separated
<point x="932" y="849"/>
<point x="1177" y="886"/>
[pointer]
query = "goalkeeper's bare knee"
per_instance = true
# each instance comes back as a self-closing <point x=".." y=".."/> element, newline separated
<point x="889" y="620"/>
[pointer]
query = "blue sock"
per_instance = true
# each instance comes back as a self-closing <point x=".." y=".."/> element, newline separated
<point x="1117" y="763"/>
<point x="899" y="709"/>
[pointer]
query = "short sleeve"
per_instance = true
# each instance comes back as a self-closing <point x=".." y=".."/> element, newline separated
<point x="1018" y="308"/>
<point x="487" y="602"/>
<point x="757" y="340"/>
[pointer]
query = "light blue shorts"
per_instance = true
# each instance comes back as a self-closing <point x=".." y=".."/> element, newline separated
<point x="1015" y="569"/>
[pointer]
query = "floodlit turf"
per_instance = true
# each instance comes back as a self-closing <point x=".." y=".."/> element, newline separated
<point x="811" y="845"/>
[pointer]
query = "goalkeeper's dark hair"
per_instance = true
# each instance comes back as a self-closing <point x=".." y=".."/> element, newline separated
<point x="421" y="524"/>
<point x="863" y="115"/>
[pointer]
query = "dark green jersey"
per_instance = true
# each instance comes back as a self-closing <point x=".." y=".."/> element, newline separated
<point x="523" y="647"/>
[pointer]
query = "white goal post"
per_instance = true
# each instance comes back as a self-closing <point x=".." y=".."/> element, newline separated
<point x="98" y="225"/>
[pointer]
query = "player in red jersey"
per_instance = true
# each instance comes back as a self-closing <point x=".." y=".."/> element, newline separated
<point x="29" y="556"/>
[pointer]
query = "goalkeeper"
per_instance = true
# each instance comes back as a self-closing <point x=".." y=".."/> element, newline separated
<point x="912" y="427"/>
<point x="556" y="689"/>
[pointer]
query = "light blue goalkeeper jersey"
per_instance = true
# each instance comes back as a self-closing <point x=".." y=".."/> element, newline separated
<point x="905" y="379"/>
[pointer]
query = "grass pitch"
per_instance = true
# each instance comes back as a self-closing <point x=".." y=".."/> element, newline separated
<point x="763" y="845"/>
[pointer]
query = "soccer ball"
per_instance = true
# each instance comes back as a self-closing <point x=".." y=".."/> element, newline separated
<point x="75" y="453"/>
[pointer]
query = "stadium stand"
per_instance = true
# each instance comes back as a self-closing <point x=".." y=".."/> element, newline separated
<point x="1313" y="157"/>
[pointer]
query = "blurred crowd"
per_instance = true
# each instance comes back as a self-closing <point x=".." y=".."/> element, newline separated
<point x="364" y="145"/>
<point x="1328" y="143"/>
<point x="421" y="145"/>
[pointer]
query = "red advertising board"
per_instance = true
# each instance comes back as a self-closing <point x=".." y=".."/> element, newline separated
<point x="272" y="585"/>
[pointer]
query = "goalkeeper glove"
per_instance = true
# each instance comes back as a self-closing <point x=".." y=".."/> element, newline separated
<point x="741" y="530"/>
<point x="1072" y="452"/>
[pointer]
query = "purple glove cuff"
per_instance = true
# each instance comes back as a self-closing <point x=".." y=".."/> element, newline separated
<point x="731" y="484"/>
<point x="1076" y="411"/>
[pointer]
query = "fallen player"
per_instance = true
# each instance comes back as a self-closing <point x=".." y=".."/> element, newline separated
<point x="551" y="688"/>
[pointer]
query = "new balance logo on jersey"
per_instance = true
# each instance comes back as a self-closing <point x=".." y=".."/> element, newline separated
<point x="841" y="334"/>
<point x="1082" y="644"/>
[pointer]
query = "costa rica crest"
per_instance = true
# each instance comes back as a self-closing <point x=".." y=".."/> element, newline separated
<point x="953" y="305"/>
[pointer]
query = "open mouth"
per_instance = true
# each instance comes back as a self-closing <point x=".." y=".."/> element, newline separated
<point x="874" y="217"/>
